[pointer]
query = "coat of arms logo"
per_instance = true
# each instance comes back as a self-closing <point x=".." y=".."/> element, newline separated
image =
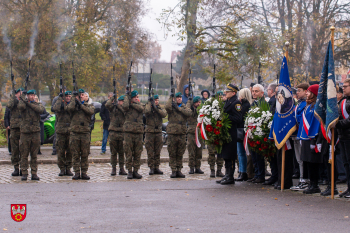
<point x="18" y="212"/>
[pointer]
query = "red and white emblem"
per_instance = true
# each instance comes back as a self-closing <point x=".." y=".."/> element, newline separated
<point x="18" y="212"/>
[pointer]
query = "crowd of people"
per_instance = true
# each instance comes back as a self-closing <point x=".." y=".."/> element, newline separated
<point x="127" y="120"/>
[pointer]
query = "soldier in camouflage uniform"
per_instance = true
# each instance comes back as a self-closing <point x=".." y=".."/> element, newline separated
<point x="153" y="141"/>
<point x="194" y="153"/>
<point x="176" y="130"/>
<point x="15" y="133"/>
<point x="30" y="132"/>
<point x="116" y="135"/>
<point x="64" y="156"/>
<point x="133" y="133"/>
<point x="79" y="140"/>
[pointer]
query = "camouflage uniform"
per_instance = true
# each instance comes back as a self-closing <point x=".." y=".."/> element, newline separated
<point x="211" y="158"/>
<point x="64" y="156"/>
<point x="176" y="130"/>
<point x="30" y="133"/>
<point x="153" y="140"/>
<point x="79" y="141"/>
<point x="116" y="135"/>
<point x="194" y="153"/>
<point x="15" y="133"/>
<point x="133" y="133"/>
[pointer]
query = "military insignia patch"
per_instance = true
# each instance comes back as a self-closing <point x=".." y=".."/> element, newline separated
<point x="238" y="107"/>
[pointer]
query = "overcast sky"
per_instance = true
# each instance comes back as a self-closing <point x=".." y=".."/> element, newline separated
<point x="150" y="22"/>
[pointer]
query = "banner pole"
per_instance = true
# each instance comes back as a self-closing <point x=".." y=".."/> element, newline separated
<point x="332" y="149"/>
<point x="283" y="166"/>
<point x="287" y="54"/>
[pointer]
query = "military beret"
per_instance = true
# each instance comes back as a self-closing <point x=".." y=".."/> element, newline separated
<point x="134" y="93"/>
<point x="81" y="90"/>
<point x="196" y="99"/>
<point x="179" y="94"/>
<point x="121" y="97"/>
<point x="68" y="93"/>
<point x="19" y="89"/>
<point x="31" y="92"/>
<point x="231" y="87"/>
<point x="220" y="93"/>
<point x="156" y="97"/>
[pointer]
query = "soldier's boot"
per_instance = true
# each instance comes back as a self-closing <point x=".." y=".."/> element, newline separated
<point x="212" y="173"/>
<point x="15" y="172"/>
<point x="76" y="176"/>
<point x="191" y="170"/>
<point x="130" y="175"/>
<point x="198" y="171"/>
<point x="219" y="173"/>
<point x="62" y="172"/>
<point x="157" y="171"/>
<point x="223" y="178"/>
<point x="136" y="175"/>
<point x="68" y="172"/>
<point x="122" y="172"/>
<point x="230" y="179"/>
<point x="114" y="171"/>
<point x="151" y="171"/>
<point x="173" y="174"/>
<point x="84" y="176"/>
<point x="179" y="174"/>
<point x="35" y="177"/>
<point x="24" y="177"/>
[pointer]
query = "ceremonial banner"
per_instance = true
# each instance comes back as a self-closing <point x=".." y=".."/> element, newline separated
<point x="284" y="123"/>
<point x="326" y="108"/>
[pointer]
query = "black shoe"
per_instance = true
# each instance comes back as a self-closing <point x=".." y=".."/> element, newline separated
<point x="191" y="170"/>
<point x="328" y="192"/>
<point x="54" y="152"/>
<point x="136" y="175"/>
<point x="15" y="172"/>
<point x="230" y="180"/>
<point x="198" y="171"/>
<point x="76" y="176"/>
<point x="122" y="172"/>
<point x="212" y="173"/>
<point x="313" y="188"/>
<point x="84" y="176"/>
<point x="252" y="179"/>
<point x="180" y="175"/>
<point x="151" y="171"/>
<point x="296" y="176"/>
<point x="68" y="172"/>
<point x="258" y="181"/>
<point x="158" y="172"/>
<point x="130" y="175"/>
<point x="62" y="172"/>
<point x="39" y="152"/>
<point x="114" y="171"/>
<point x="275" y="185"/>
<point x="219" y="173"/>
<point x="269" y="182"/>
<point x="284" y="188"/>
<point x="24" y="177"/>
<point x="342" y="181"/>
<point x="173" y="174"/>
<point x="35" y="177"/>
<point x="239" y="176"/>
<point x="345" y="193"/>
<point x="244" y="177"/>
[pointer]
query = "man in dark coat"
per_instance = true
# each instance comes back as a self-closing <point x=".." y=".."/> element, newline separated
<point x="104" y="114"/>
<point x="233" y="108"/>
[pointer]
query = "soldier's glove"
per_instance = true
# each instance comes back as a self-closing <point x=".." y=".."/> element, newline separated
<point x="154" y="105"/>
<point x="192" y="108"/>
<point x="62" y="106"/>
<point x="172" y="95"/>
<point x="175" y="106"/>
<point x="150" y="99"/>
<point x="127" y="92"/>
<point x="60" y="95"/>
<point x="24" y="92"/>
<point x="78" y="102"/>
<point x="190" y="98"/>
<point x="75" y="93"/>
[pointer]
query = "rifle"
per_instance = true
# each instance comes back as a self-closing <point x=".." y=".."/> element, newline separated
<point x="189" y="84"/>
<point x="214" y="82"/>
<point x="114" y="86"/>
<point x="128" y="87"/>
<point x="150" y="89"/>
<point x="74" y="82"/>
<point x="27" y="77"/>
<point x="242" y="81"/>
<point x="61" y="83"/>
<point x="172" y="89"/>
<point x="13" y="80"/>
<point x="259" y="77"/>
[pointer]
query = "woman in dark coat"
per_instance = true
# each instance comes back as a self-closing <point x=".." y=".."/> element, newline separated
<point x="233" y="108"/>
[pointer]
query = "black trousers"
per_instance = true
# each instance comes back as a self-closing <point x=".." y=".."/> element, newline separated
<point x="229" y="163"/>
<point x="288" y="167"/>
<point x="345" y="152"/>
<point x="8" y="141"/>
<point x="274" y="167"/>
<point x="313" y="171"/>
<point x="329" y="167"/>
<point x="259" y="165"/>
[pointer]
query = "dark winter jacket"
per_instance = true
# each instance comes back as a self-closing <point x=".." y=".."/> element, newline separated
<point x="104" y="114"/>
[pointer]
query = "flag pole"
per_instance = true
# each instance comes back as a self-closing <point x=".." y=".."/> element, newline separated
<point x="332" y="149"/>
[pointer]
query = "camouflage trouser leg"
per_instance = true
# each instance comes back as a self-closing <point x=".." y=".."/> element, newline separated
<point x="64" y="156"/>
<point x="176" y="149"/>
<point x="194" y="153"/>
<point x="153" y="144"/>
<point x="133" y="148"/>
<point x="213" y="158"/>
<point x="79" y="145"/>
<point x="29" y="143"/>
<point x="117" y="148"/>
<point x="15" y="135"/>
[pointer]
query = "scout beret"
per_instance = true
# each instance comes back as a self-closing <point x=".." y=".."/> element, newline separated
<point x="81" y="91"/>
<point x="196" y="99"/>
<point x="220" y="93"/>
<point x="179" y="94"/>
<point x="31" y="92"/>
<point x="156" y="97"/>
<point x="134" y="93"/>
<point x="121" y="97"/>
<point x="68" y="93"/>
<point x="18" y="90"/>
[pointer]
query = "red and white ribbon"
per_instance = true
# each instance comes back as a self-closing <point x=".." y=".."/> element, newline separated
<point x="287" y="145"/>
<point x="245" y="140"/>
<point x="343" y="110"/>
<point x="306" y="124"/>
<point x="200" y="125"/>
